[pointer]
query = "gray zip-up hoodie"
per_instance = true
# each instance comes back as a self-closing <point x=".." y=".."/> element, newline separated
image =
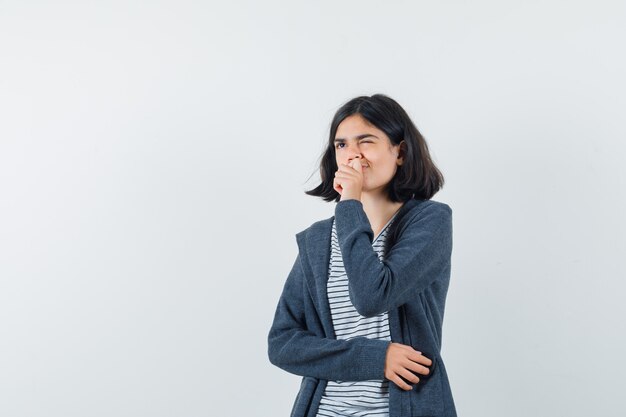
<point x="410" y="283"/>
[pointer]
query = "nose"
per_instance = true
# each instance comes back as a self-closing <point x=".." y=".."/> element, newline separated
<point x="351" y="152"/>
<point x="354" y="155"/>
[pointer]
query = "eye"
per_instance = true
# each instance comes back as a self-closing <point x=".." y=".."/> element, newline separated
<point x="341" y="143"/>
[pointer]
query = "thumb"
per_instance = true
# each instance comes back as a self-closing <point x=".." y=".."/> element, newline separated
<point x="356" y="164"/>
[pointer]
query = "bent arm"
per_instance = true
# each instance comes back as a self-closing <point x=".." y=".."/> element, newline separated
<point x="419" y="256"/>
<point x="297" y="350"/>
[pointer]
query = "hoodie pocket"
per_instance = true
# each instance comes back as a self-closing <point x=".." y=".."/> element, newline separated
<point x="426" y="397"/>
<point x="302" y="402"/>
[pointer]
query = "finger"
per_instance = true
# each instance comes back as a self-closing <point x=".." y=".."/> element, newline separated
<point x="342" y="176"/>
<point x="343" y="166"/>
<point x="409" y="376"/>
<point x="337" y="186"/>
<point x="408" y="347"/>
<point x="351" y="167"/>
<point x="415" y="367"/>
<point x="400" y="383"/>
<point x="343" y="169"/>
<point x="419" y="358"/>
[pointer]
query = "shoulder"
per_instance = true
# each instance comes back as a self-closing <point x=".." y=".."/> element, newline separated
<point x="426" y="214"/>
<point x="316" y="229"/>
<point x="431" y="208"/>
<point x="415" y="209"/>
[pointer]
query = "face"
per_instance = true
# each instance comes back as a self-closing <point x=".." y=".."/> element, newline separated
<point x="357" y="138"/>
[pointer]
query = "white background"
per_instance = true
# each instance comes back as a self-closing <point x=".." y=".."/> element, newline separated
<point x="153" y="158"/>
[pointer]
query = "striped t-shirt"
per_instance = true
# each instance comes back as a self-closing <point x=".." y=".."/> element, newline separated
<point x="354" y="398"/>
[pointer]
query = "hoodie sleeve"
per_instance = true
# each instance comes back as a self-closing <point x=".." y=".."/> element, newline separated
<point x="299" y="351"/>
<point x="421" y="255"/>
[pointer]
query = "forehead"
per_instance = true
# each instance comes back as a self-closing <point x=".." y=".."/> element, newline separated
<point x="355" y="125"/>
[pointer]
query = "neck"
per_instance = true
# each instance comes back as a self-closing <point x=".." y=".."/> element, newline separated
<point x="378" y="209"/>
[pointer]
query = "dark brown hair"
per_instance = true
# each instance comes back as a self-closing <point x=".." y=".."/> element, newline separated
<point x="417" y="177"/>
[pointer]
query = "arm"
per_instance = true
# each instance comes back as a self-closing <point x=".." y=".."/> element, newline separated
<point x="296" y="350"/>
<point x="412" y="264"/>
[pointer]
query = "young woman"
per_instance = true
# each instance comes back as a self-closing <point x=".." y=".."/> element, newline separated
<point x="361" y="312"/>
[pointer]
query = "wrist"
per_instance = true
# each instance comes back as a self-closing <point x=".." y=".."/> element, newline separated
<point x="345" y="196"/>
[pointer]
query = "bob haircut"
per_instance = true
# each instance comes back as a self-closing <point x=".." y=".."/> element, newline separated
<point x="417" y="178"/>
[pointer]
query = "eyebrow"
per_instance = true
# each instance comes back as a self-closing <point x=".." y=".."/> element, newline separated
<point x="364" y="135"/>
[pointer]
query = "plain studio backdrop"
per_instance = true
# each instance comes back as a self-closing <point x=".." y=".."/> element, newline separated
<point x="153" y="162"/>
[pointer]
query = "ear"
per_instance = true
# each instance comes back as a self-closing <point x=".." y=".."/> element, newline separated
<point x="401" y="152"/>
